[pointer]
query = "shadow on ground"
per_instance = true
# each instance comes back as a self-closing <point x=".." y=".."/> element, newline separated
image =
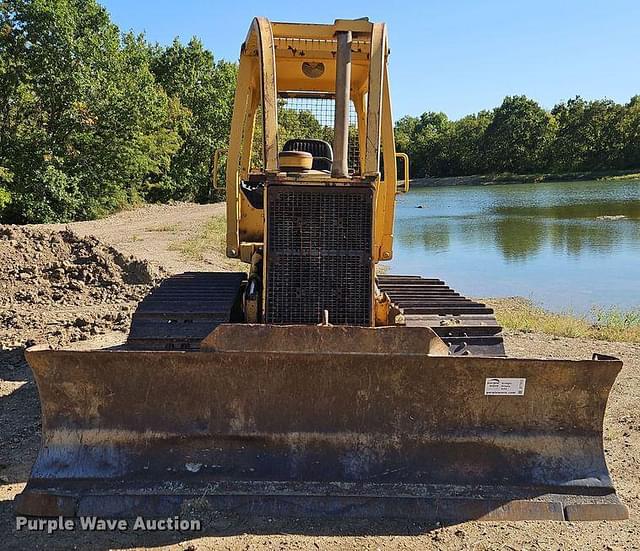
<point x="19" y="442"/>
<point x="19" y="417"/>
<point x="213" y="525"/>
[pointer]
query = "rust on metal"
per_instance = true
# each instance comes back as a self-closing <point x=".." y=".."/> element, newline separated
<point x="324" y="339"/>
<point x="466" y="326"/>
<point x="385" y="433"/>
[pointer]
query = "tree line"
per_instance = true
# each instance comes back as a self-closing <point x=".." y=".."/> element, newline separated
<point x="521" y="137"/>
<point x="93" y="120"/>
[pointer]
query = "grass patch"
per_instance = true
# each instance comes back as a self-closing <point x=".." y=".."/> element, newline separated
<point x="510" y="178"/>
<point x="606" y="325"/>
<point x="632" y="176"/>
<point x="212" y="237"/>
<point x="168" y="228"/>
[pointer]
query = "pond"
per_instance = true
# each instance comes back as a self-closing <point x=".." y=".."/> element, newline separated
<point x="568" y="246"/>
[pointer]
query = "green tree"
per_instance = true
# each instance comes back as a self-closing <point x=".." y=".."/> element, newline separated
<point x="630" y="128"/>
<point x="426" y="141"/>
<point x="518" y="137"/>
<point x="466" y="143"/>
<point x="206" y="88"/>
<point x="405" y="133"/>
<point x="589" y="135"/>
<point x="82" y="120"/>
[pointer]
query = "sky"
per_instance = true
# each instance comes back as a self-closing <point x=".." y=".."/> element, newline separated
<point x="458" y="57"/>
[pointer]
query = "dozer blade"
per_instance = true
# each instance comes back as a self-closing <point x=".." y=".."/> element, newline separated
<point x="294" y="421"/>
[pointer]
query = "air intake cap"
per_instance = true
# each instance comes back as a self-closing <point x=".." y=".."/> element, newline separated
<point x="295" y="161"/>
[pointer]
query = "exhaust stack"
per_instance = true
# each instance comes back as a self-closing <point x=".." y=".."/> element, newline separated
<point x="340" y="168"/>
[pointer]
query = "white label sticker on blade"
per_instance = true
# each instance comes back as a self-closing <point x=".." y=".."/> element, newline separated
<point x="504" y="386"/>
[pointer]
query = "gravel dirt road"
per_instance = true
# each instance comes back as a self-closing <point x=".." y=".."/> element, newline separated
<point x="58" y="287"/>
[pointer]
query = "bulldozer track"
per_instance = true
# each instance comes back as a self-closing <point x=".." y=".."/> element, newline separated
<point x="468" y="327"/>
<point x="185" y="308"/>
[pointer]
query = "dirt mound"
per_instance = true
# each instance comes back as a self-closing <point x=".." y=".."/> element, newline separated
<point x="58" y="285"/>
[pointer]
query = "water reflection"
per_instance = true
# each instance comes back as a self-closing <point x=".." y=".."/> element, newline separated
<point x="525" y="238"/>
<point x="576" y="239"/>
<point x="520" y="232"/>
<point x="629" y="209"/>
<point x="435" y="237"/>
<point x="519" y="238"/>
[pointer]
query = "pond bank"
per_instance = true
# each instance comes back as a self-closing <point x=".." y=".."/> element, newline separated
<point x="508" y="178"/>
<point x="521" y="314"/>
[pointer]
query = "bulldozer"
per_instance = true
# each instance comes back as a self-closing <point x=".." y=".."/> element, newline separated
<point x="313" y="383"/>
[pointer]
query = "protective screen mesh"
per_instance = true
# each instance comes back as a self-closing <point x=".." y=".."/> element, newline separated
<point x="304" y="117"/>
<point x="314" y="117"/>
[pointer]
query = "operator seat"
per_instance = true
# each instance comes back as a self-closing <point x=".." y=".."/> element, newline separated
<point x="322" y="160"/>
<point x="321" y="151"/>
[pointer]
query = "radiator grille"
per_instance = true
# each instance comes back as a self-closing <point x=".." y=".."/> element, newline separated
<point x="319" y="254"/>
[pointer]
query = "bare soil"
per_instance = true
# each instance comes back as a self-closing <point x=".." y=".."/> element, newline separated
<point x="155" y="233"/>
<point x="59" y="286"/>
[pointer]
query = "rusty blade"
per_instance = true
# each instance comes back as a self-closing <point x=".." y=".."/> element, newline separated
<point x="123" y="429"/>
<point x="260" y="338"/>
